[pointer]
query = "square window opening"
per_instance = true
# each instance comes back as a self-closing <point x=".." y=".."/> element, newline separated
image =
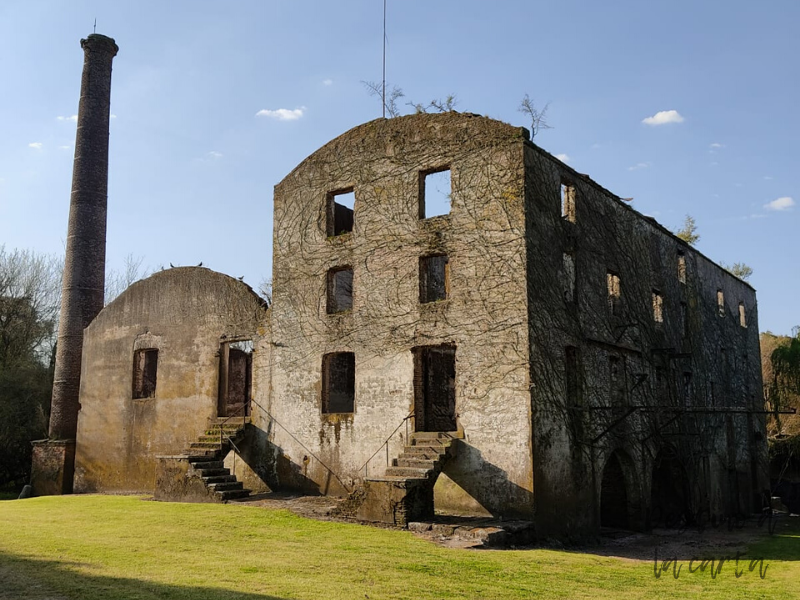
<point x="434" y="278"/>
<point x="338" y="382"/>
<point x="570" y="278"/>
<point x="340" y="290"/>
<point x="340" y="212"/>
<point x="568" y="201"/>
<point x="145" y="371"/>
<point x="435" y="193"/>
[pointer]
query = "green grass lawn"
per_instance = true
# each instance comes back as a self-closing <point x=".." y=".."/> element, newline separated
<point x="107" y="547"/>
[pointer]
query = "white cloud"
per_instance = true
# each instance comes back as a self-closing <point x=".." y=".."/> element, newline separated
<point x="67" y="147"/>
<point x="327" y="82"/>
<point x="563" y="157"/>
<point x="663" y="117"/>
<point x="637" y="166"/>
<point x="282" y="114"/>
<point x="215" y="154"/>
<point x="73" y="118"/>
<point x="782" y="203"/>
<point x="716" y="145"/>
<point x="35" y="145"/>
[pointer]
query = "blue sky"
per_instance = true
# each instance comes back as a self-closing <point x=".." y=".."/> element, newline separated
<point x="215" y="102"/>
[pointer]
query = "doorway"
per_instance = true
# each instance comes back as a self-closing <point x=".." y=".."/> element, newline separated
<point x="669" y="496"/>
<point x="614" y="495"/>
<point x="435" y="388"/>
<point x="235" y="378"/>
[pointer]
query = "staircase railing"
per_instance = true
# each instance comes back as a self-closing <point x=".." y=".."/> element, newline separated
<point x="302" y="445"/>
<point x="385" y="444"/>
<point x="222" y="429"/>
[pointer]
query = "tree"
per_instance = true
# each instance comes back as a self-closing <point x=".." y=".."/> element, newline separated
<point x="29" y="303"/>
<point x="119" y="281"/>
<point x="390" y="101"/>
<point x="536" y="116"/>
<point x="688" y="233"/>
<point x="740" y="270"/>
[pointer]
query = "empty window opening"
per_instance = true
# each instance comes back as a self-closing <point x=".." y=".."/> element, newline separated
<point x="661" y="383"/>
<point x="338" y="382"/>
<point x="658" y="307"/>
<point x="340" y="212"/>
<point x="434" y="278"/>
<point x="742" y="315"/>
<point x="687" y="388"/>
<point x="681" y="267"/>
<point x="720" y="303"/>
<point x="235" y="378"/>
<point x="435" y="388"/>
<point x="614" y="293"/>
<point x="616" y="378"/>
<point x="569" y="277"/>
<point x="435" y="193"/>
<point x="568" y="201"/>
<point x="340" y="290"/>
<point x="684" y="320"/>
<point x="572" y="377"/>
<point x="145" y="369"/>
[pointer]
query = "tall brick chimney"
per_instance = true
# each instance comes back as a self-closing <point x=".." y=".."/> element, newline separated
<point x="82" y="289"/>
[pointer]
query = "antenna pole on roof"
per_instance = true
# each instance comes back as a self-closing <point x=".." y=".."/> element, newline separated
<point x="95" y="26"/>
<point x="383" y="85"/>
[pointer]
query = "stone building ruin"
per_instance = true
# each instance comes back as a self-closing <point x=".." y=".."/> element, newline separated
<point x="539" y="351"/>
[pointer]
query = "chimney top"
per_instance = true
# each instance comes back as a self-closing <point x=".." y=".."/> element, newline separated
<point x="97" y="42"/>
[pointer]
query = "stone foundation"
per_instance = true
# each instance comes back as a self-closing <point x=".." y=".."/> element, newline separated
<point x="178" y="481"/>
<point x="53" y="467"/>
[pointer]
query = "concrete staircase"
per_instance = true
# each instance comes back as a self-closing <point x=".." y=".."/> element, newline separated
<point x="405" y="492"/>
<point x="207" y="453"/>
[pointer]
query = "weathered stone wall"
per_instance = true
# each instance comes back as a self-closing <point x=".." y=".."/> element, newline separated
<point x="185" y="313"/>
<point x="484" y="315"/>
<point x="722" y="358"/>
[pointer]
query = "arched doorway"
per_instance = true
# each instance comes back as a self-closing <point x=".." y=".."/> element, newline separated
<point x="669" y="492"/>
<point x="614" y="495"/>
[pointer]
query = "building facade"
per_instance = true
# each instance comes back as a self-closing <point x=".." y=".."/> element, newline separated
<point x="441" y="277"/>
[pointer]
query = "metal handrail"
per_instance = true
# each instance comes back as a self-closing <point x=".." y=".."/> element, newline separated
<point x="385" y="443"/>
<point x="244" y="424"/>
<point x="302" y="445"/>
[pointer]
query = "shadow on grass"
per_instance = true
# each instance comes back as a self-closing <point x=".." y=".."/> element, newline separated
<point x="35" y="579"/>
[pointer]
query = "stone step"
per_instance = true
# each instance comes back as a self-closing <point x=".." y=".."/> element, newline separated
<point x="430" y="452"/>
<point x="394" y="479"/>
<point x="434" y="435"/>
<point x="207" y="464"/>
<point x="409" y="472"/>
<point x="433" y="443"/>
<point x="198" y="455"/>
<point x="213" y="472"/>
<point x="205" y="445"/>
<point x="236" y="421"/>
<point x="229" y="431"/>
<point x="214" y="439"/>
<point x="222" y="478"/>
<point x="226" y="486"/>
<point x="233" y="494"/>
<point x="415" y="463"/>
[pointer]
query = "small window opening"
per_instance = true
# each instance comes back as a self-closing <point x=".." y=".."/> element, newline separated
<point x="681" y="267"/>
<point x="684" y="320"/>
<point x="720" y="303"/>
<point x="658" y="307"/>
<point x="338" y="382"/>
<point x="687" y="388"/>
<point x="572" y="376"/>
<point x="340" y="290"/>
<point x="568" y="201"/>
<point x="660" y="383"/>
<point x="569" y="277"/>
<point x="616" y="379"/>
<point x="145" y="369"/>
<point x="435" y="193"/>
<point x="614" y="293"/>
<point x="742" y="315"/>
<point x="340" y="212"/>
<point x="434" y="278"/>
